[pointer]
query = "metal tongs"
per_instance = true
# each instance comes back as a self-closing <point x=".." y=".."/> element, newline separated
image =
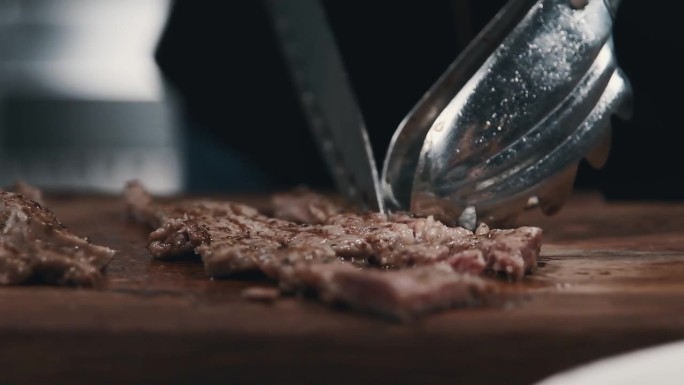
<point x="503" y="129"/>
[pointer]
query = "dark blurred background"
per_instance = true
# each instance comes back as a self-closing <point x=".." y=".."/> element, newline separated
<point x="223" y="58"/>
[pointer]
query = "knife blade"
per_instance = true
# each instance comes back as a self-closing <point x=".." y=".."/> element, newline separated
<point x="327" y="98"/>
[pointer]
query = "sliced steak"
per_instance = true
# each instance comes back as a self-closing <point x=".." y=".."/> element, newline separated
<point x="35" y="246"/>
<point x="398" y="266"/>
<point x="305" y="206"/>
<point x="232" y="237"/>
<point x="141" y="207"/>
<point x="401" y="294"/>
<point x="512" y="252"/>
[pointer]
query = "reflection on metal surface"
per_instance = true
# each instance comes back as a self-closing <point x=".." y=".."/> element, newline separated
<point x="539" y="103"/>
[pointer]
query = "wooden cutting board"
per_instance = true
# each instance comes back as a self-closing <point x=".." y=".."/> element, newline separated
<point x="611" y="279"/>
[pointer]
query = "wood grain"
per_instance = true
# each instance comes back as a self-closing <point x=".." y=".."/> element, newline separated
<point x="611" y="279"/>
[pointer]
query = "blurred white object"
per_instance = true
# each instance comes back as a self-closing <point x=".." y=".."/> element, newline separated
<point x="661" y="365"/>
<point x="82" y="103"/>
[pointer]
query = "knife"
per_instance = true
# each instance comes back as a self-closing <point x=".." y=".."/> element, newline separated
<point x="327" y="98"/>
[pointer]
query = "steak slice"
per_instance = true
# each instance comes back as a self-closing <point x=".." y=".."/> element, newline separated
<point x="399" y="266"/>
<point x="399" y="294"/>
<point x="305" y="206"/>
<point x="231" y="238"/>
<point x="36" y="247"/>
<point x="402" y="294"/>
<point x="512" y="252"/>
<point x="141" y="207"/>
<point x="403" y="240"/>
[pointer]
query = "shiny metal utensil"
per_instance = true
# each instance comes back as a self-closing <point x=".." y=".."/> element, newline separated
<point x="327" y="97"/>
<point x="511" y="118"/>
